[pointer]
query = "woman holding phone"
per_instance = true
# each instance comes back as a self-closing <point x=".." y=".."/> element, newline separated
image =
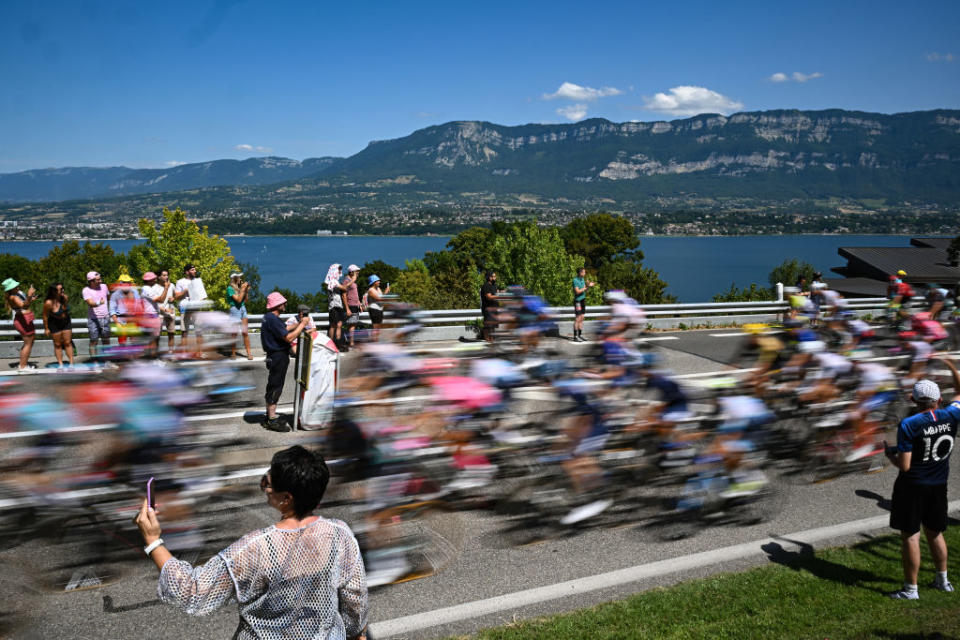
<point x="19" y="303"/>
<point x="303" y="575"/>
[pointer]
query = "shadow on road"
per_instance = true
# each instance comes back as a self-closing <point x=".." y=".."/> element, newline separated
<point x="806" y="559"/>
<point x="883" y="503"/>
<point x="109" y="608"/>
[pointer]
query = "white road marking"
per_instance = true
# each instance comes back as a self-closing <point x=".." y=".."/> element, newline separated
<point x="527" y="597"/>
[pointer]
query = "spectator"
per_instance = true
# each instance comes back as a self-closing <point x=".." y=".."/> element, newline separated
<point x="489" y="305"/>
<point x="351" y="301"/>
<point x="166" y="305"/>
<point x="374" y="297"/>
<point x="96" y="295"/>
<point x="237" y="292"/>
<point x="580" y="286"/>
<point x="302" y="577"/>
<point x="156" y="303"/>
<point x="292" y="321"/>
<point x="192" y="296"/>
<point x="19" y="302"/>
<point x="335" y="304"/>
<point x="150" y="319"/>
<point x="125" y="308"/>
<point x="56" y="322"/>
<point x="922" y="454"/>
<point x="276" y="341"/>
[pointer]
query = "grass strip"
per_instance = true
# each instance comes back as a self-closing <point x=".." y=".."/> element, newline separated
<point x="833" y="593"/>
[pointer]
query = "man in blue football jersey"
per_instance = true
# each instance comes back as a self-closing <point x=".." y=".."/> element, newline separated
<point x="922" y="454"/>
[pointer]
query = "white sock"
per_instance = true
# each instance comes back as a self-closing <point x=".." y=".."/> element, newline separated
<point x="909" y="588"/>
<point x="942" y="577"/>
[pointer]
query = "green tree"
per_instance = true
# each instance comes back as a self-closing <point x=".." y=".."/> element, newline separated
<point x="953" y="252"/>
<point x="753" y="293"/>
<point x="468" y="249"/>
<point x="601" y="239"/>
<point x="789" y="270"/>
<point x="386" y="272"/>
<point x="70" y="262"/>
<point x="536" y="258"/>
<point x="21" y="269"/>
<point x="643" y="284"/>
<point x="419" y="287"/>
<point x="179" y="241"/>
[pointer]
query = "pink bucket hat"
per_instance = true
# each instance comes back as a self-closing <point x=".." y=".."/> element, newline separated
<point x="149" y="275"/>
<point x="274" y="300"/>
<point x="91" y="275"/>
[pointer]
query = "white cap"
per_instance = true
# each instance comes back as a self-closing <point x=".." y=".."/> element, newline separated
<point x="353" y="267"/>
<point x="926" y="390"/>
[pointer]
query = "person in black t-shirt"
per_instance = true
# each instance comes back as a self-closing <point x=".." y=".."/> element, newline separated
<point x="922" y="454"/>
<point x="489" y="305"/>
<point x="276" y="341"/>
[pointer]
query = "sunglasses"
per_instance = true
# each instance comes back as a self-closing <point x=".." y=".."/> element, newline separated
<point x="265" y="483"/>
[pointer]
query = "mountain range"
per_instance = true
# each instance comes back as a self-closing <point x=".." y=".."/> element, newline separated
<point x="72" y="183"/>
<point x="778" y="156"/>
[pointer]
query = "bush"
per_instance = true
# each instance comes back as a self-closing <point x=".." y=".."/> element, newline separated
<point x="753" y="293"/>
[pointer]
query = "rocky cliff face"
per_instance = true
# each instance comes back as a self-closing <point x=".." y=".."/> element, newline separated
<point x="711" y="144"/>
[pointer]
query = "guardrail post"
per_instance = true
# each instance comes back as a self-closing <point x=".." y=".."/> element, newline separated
<point x="779" y="292"/>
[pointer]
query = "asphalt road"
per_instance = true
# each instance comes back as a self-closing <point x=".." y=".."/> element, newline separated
<point x="486" y="566"/>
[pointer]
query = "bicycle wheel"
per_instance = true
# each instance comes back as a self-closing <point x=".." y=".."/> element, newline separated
<point x="431" y="535"/>
<point x="75" y="554"/>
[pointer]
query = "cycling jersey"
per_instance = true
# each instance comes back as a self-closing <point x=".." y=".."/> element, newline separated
<point x="929" y="435"/>
<point x="670" y="393"/>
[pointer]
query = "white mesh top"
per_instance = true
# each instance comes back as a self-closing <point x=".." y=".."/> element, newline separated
<point x="289" y="583"/>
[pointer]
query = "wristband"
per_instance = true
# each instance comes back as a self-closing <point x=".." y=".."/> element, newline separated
<point x="152" y="546"/>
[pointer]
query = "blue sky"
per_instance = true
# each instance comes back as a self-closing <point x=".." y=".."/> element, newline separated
<point x="93" y="83"/>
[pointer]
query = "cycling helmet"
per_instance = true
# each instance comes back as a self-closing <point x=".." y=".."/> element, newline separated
<point x="615" y="295"/>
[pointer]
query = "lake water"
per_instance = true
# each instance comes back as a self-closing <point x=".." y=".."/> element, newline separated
<point x="696" y="268"/>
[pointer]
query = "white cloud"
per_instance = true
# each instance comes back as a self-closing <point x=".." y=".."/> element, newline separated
<point x="796" y="76"/>
<point x="571" y="91"/>
<point x="173" y="163"/>
<point x="689" y="101"/>
<point x="803" y="77"/>
<point x="249" y="147"/>
<point x="940" y="57"/>
<point x="573" y="112"/>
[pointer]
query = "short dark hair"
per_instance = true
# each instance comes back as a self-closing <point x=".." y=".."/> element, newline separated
<point x="926" y="404"/>
<point x="187" y="267"/>
<point x="490" y="272"/>
<point x="301" y="473"/>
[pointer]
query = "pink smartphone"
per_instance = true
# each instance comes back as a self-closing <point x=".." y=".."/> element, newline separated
<point x="151" y="498"/>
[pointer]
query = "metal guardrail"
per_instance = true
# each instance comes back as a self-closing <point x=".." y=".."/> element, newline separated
<point x="455" y="316"/>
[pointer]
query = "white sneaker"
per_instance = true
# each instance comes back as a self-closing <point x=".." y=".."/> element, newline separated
<point x="941" y="586"/>
<point x="903" y="594"/>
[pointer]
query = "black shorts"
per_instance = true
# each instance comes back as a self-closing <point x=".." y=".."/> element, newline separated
<point x="376" y="316"/>
<point x="277" y="364"/>
<point x="337" y="314"/>
<point x="579" y="307"/>
<point x="915" y="504"/>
